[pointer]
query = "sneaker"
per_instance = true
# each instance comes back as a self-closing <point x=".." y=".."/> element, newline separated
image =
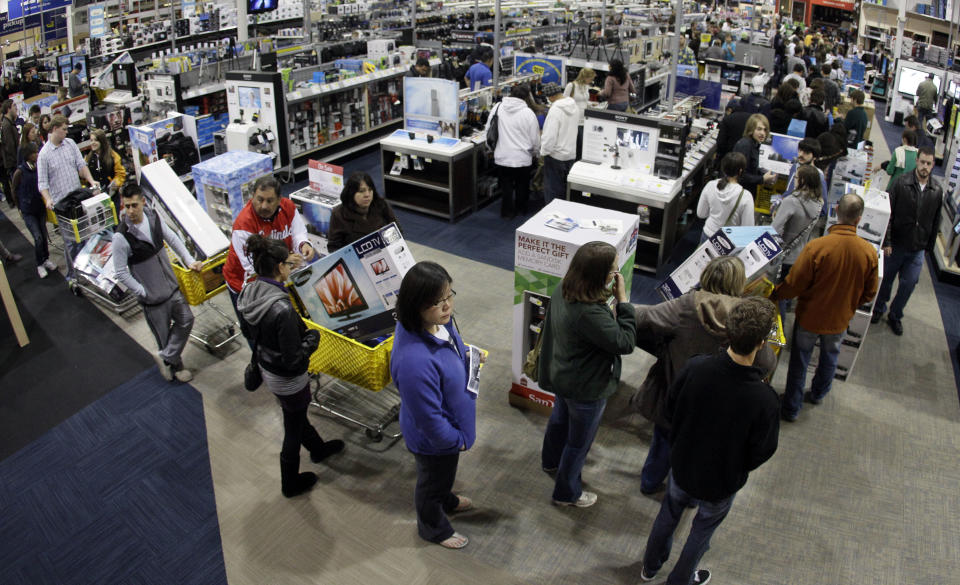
<point x="49" y="265"/>
<point x="42" y="271"/>
<point x="644" y="576"/>
<point x="327" y="449"/>
<point x="183" y="375"/>
<point x="549" y="470"/>
<point x="701" y="576"/>
<point x="875" y="318"/>
<point x="808" y="397"/>
<point x="457" y="541"/>
<point x="585" y="500"/>
<point x="895" y="325"/>
<point x="165" y="370"/>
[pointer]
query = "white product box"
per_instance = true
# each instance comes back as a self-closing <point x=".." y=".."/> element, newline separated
<point x="687" y="275"/>
<point x="857" y="328"/>
<point x="758" y="254"/>
<point x="876" y="213"/>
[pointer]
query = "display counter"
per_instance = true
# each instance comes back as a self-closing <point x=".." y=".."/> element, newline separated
<point x="420" y="175"/>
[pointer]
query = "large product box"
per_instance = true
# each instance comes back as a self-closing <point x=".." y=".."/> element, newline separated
<point x="315" y="209"/>
<point x="354" y="290"/>
<point x="225" y="183"/>
<point x="687" y="275"/>
<point x="544" y="246"/>
<point x="876" y="213"/>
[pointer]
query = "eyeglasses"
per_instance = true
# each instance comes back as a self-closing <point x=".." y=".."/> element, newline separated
<point x="290" y="264"/>
<point x="445" y="300"/>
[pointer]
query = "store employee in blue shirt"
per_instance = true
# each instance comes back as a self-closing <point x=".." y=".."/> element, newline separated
<point x="480" y="73"/>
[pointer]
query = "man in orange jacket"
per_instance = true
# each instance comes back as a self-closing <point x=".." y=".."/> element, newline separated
<point x="833" y="276"/>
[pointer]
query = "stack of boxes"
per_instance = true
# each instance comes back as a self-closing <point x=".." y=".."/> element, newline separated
<point x="225" y="183"/>
<point x="208" y="125"/>
<point x="856" y="168"/>
<point x="315" y="208"/>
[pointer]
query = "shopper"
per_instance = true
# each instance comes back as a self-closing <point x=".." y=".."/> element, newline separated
<point x="272" y="216"/>
<point x="724" y="425"/>
<point x="105" y="165"/>
<point x="714" y="51"/>
<point x="831" y="277"/>
<point x="831" y="91"/>
<point x="685" y="55"/>
<point x="60" y="167"/>
<point x="579" y="90"/>
<point x="915" y="207"/>
<point x="724" y="201"/>
<point x="143" y="267"/>
<point x="927" y="94"/>
<point x="617" y="87"/>
<point x="813" y="114"/>
<point x="754" y="134"/>
<point x="438" y="412"/>
<point x="45" y="121"/>
<point x="75" y="83"/>
<point x="731" y="127"/>
<point x="579" y="363"/>
<point x="729" y="48"/>
<point x="797" y="215"/>
<point x="808" y="151"/>
<point x="911" y="122"/>
<point x="693" y="324"/>
<point x="480" y="73"/>
<point x="282" y="347"/>
<point x="558" y="145"/>
<point x="420" y="69"/>
<point x="517" y="145"/>
<point x="856" y="118"/>
<point x="361" y="211"/>
<point x="28" y="134"/>
<point x="755" y="102"/>
<point x="9" y="141"/>
<point x="903" y="159"/>
<point x="784" y="108"/>
<point x="32" y="208"/>
<point x="798" y="74"/>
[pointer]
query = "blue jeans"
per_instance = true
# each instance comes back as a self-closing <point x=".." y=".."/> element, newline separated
<point x="618" y="107"/>
<point x="555" y="178"/>
<point x="37" y="224"/>
<point x="800" y="351"/>
<point x="570" y="431"/>
<point x="908" y="265"/>
<point x="708" y="518"/>
<point x="657" y="465"/>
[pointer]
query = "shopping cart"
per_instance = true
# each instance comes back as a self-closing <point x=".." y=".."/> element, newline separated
<point x="213" y="328"/>
<point x="352" y="382"/>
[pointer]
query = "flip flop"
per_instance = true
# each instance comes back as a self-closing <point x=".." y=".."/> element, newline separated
<point x="463" y="504"/>
<point x="457" y="541"/>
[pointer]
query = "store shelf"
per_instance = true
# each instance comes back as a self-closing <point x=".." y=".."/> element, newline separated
<point x="306" y="93"/>
<point x="204" y="90"/>
<point x="427" y="183"/>
<point x="398" y="121"/>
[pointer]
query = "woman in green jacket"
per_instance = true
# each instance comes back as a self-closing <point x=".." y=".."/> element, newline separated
<point x="904" y="157"/>
<point x="580" y="363"/>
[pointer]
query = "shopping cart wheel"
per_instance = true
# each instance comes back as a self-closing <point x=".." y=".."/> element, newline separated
<point x="375" y="436"/>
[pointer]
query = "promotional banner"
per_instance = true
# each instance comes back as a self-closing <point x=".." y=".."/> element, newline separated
<point x="431" y="106"/>
<point x="325" y="178"/>
<point x="98" y="20"/>
<point x="550" y="69"/>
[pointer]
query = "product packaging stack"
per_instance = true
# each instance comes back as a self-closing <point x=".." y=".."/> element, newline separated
<point x="315" y="208"/>
<point x="855" y="168"/>
<point x="225" y="183"/>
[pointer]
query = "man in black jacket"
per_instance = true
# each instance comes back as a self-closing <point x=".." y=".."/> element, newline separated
<point x="9" y="140"/>
<point x="915" y="202"/>
<point x="725" y="423"/>
<point x="731" y="128"/>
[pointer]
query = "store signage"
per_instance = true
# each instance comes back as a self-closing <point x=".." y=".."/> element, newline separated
<point x="98" y="20"/>
<point x="20" y="8"/>
<point x="834" y="4"/>
<point x="325" y="178"/>
<point x="10" y="26"/>
<point x="550" y="69"/>
<point x="467" y="36"/>
<point x="188" y="8"/>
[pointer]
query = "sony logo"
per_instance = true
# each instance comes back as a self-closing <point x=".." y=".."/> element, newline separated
<point x="247" y="77"/>
<point x="620" y="118"/>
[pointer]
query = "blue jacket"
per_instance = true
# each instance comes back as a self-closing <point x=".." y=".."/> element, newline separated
<point x="438" y="415"/>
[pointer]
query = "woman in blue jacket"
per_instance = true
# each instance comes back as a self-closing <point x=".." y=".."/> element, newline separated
<point x="437" y="412"/>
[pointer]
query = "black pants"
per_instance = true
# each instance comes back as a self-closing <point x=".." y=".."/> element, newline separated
<point x="244" y="327"/>
<point x="514" y="189"/>
<point x="7" y="188"/>
<point x="434" y="497"/>
<point x="297" y="429"/>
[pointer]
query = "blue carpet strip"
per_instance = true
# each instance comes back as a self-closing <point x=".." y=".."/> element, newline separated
<point x="120" y="492"/>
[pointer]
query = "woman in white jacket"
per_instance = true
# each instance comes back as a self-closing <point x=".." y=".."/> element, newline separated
<point x="579" y="90"/>
<point x="724" y="202"/>
<point x="518" y="142"/>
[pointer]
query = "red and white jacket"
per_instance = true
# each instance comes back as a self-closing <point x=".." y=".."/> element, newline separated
<point x="287" y="225"/>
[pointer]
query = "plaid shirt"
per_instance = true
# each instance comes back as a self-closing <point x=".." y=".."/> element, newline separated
<point x="58" y="168"/>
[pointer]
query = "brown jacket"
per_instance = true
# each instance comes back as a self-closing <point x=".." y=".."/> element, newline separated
<point x="833" y="276"/>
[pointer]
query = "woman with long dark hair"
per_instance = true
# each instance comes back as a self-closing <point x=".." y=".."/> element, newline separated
<point x="579" y="362"/>
<point x="361" y="211"/>
<point x="438" y="413"/>
<point x="282" y="345"/>
<point x="105" y="165"/>
<point x="724" y="201"/>
<point x="617" y="87"/>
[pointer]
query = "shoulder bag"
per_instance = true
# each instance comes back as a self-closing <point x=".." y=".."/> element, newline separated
<point x="735" y="207"/>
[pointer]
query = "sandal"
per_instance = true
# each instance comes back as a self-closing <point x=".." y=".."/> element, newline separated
<point x="463" y="504"/>
<point x="456" y="541"/>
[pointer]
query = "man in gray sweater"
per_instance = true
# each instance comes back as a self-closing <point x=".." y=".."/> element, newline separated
<point x="144" y="268"/>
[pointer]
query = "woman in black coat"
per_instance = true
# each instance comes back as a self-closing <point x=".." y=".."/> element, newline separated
<point x="756" y="132"/>
<point x="361" y="211"/>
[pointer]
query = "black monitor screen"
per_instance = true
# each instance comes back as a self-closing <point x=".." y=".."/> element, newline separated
<point x="258" y="6"/>
<point x="339" y="293"/>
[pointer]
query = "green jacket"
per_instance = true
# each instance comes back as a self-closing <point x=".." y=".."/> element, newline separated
<point x="902" y="160"/>
<point x="582" y="345"/>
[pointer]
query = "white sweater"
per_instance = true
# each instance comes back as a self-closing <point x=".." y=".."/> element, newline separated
<point x="715" y="205"/>
<point x="519" y="138"/>
<point x="580" y="94"/>
<point x="559" y="140"/>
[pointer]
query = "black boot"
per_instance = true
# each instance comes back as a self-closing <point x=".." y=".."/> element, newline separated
<point x="292" y="482"/>
<point x="318" y="448"/>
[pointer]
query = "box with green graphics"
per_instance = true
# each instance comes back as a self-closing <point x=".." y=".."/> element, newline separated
<point x="544" y="246"/>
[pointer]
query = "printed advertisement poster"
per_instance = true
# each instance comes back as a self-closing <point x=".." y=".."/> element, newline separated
<point x="353" y="291"/>
<point x="144" y="141"/>
<point x="431" y="106"/>
<point x="98" y="20"/>
<point x="550" y="69"/>
<point x="325" y="178"/>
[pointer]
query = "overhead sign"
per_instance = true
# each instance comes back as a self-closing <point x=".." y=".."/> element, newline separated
<point x="834" y="4"/>
<point x="98" y="20"/>
<point x="20" y="8"/>
<point x="550" y="69"/>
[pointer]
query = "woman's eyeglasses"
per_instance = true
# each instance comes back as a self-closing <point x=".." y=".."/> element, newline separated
<point x="446" y="299"/>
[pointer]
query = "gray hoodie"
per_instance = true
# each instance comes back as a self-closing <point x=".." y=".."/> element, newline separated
<point x="793" y="216"/>
<point x="255" y="300"/>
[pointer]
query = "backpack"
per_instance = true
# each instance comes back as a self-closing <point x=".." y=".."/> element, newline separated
<point x="179" y="151"/>
<point x="493" y="129"/>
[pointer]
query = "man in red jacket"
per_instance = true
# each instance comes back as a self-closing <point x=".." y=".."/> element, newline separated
<point x="269" y="215"/>
<point x="833" y="276"/>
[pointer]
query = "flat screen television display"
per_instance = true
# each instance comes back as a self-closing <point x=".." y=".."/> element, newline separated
<point x="338" y="292"/>
<point x="634" y="139"/>
<point x="953" y="89"/>
<point x="911" y="78"/>
<point x="260" y="6"/>
<point x="249" y="97"/>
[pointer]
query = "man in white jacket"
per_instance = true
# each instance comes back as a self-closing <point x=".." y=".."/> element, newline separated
<point x="558" y="144"/>
<point x="517" y="143"/>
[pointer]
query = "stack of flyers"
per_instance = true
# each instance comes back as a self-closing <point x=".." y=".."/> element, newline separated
<point x="559" y="222"/>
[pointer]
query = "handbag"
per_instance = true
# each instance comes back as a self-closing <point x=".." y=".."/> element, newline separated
<point x="252" y="376"/>
<point x="493" y="129"/>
